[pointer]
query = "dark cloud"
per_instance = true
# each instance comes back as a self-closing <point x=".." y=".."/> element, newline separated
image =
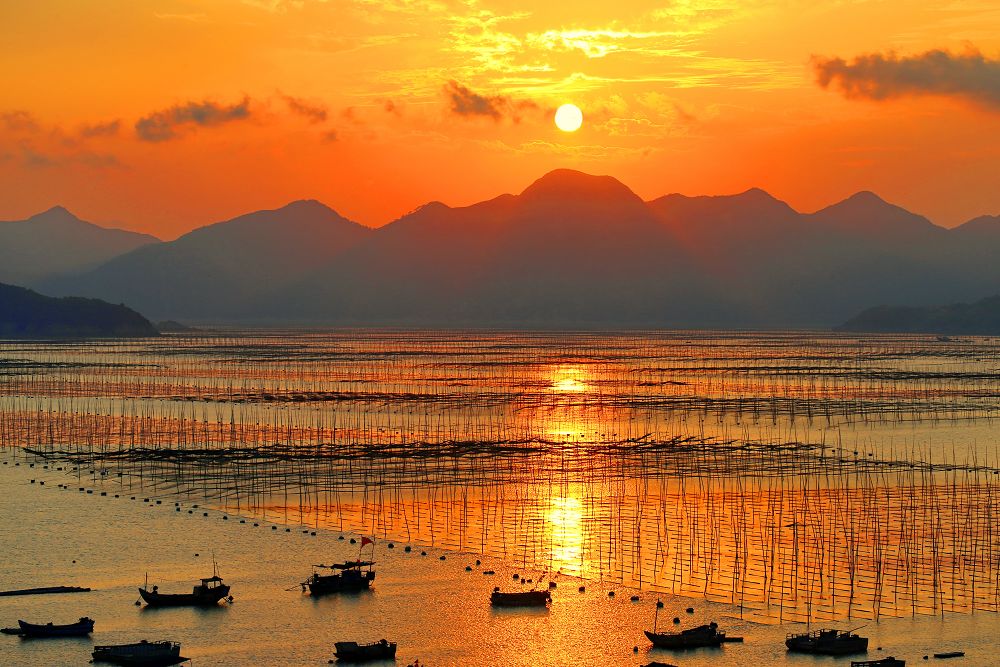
<point x="311" y="111"/>
<point x="970" y="75"/>
<point x="107" y="129"/>
<point x="465" y="102"/>
<point x="18" y="121"/>
<point x="163" y="125"/>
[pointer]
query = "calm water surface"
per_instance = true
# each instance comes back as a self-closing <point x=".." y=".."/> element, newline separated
<point x="762" y="478"/>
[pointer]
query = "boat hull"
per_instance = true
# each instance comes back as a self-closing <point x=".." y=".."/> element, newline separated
<point x="340" y="583"/>
<point x="833" y="647"/>
<point x="357" y="653"/>
<point x="80" y="629"/>
<point x="676" y="640"/>
<point x="520" y="599"/>
<point x="143" y="654"/>
<point x="204" y="599"/>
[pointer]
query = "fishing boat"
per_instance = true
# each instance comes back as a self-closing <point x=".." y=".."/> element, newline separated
<point x="346" y="577"/>
<point x="520" y="598"/>
<point x="355" y="652"/>
<point x="141" y="654"/>
<point x="827" y="642"/>
<point x="655" y="663"/>
<point x="701" y="636"/>
<point x="205" y="594"/>
<point x="81" y="628"/>
<point x="884" y="662"/>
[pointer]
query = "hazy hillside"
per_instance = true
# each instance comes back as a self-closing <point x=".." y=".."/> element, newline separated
<point x="221" y="271"/>
<point x="27" y="314"/>
<point x="981" y="317"/>
<point x="570" y="250"/>
<point x="56" y="242"/>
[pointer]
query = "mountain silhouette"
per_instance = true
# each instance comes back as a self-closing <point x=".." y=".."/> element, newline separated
<point x="27" y="314"/>
<point x="56" y="242"/>
<point x="981" y="317"/>
<point x="571" y="249"/>
<point x="217" y="272"/>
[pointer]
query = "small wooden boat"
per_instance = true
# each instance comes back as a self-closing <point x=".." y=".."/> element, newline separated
<point x="950" y="654"/>
<point x="520" y="598"/>
<point x="884" y="662"/>
<point x="347" y="577"/>
<point x="141" y="654"/>
<point x="654" y="663"/>
<point x="355" y="652"/>
<point x="701" y="636"/>
<point x="827" y="642"/>
<point x="81" y="628"/>
<point x="207" y="593"/>
<point x="48" y="590"/>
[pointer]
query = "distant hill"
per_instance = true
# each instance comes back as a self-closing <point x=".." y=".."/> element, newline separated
<point x="570" y="250"/>
<point x="56" y="242"/>
<point x="981" y="317"/>
<point x="222" y="270"/>
<point x="27" y="314"/>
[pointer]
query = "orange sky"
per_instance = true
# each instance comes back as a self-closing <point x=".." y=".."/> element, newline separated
<point x="164" y="115"/>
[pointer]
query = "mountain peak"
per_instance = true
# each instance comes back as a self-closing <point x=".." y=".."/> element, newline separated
<point x="569" y="183"/>
<point x="55" y="214"/>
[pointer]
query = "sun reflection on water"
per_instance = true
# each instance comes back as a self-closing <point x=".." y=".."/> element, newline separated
<point x="569" y="379"/>
<point x="565" y="518"/>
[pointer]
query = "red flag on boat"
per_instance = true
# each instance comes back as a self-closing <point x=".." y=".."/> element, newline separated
<point x="365" y="540"/>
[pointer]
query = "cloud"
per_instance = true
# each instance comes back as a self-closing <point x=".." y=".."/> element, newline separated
<point x="106" y="129"/>
<point x="18" y="121"/>
<point x="164" y="125"/>
<point x="465" y="102"/>
<point x="314" y="112"/>
<point x="969" y="75"/>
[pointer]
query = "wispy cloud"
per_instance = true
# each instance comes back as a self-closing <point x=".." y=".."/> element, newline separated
<point x="106" y="129"/>
<point x="463" y="101"/>
<point x="970" y="76"/>
<point x="164" y="125"/>
<point x="314" y="112"/>
<point x="18" y="121"/>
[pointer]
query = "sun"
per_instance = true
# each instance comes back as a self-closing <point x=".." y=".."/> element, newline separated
<point x="569" y="118"/>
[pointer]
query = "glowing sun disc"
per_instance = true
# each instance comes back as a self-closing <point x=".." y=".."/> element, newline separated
<point x="569" y="118"/>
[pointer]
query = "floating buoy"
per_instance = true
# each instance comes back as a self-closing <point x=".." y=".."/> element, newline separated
<point x="32" y="481"/>
<point x="145" y="500"/>
<point x="659" y="604"/>
<point x="635" y="649"/>
<point x="407" y="549"/>
<point x="391" y="545"/>
<point x="517" y="576"/>
<point x="313" y="533"/>
<point x="552" y="584"/>
<point x="103" y="493"/>
<point x="274" y="528"/>
<point x="177" y="509"/>
<point x="423" y="553"/>
<point x="204" y="513"/>
<point x="611" y="594"/>
<point x="353" y="541"/>
<point x="676" y="620"/>
<point x="634" y="598"/>
<point x="158" y="502"/>
<point x="690" y="610"/>
<point x="256" y="525"/>
<point x="582" y="589"/>
<point x="90" y="490"/>
<point x="468" y="568"/>
<point x="288" y="530"/>
<point x="487" y="572"/>
<point x="190" y="511"/>
<point x="196" y="555"/>
<point x="478" y="562"/>
<point x="341" y="537"/>
<point x="442" y="558"/>
<point x="225" y="518"/>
